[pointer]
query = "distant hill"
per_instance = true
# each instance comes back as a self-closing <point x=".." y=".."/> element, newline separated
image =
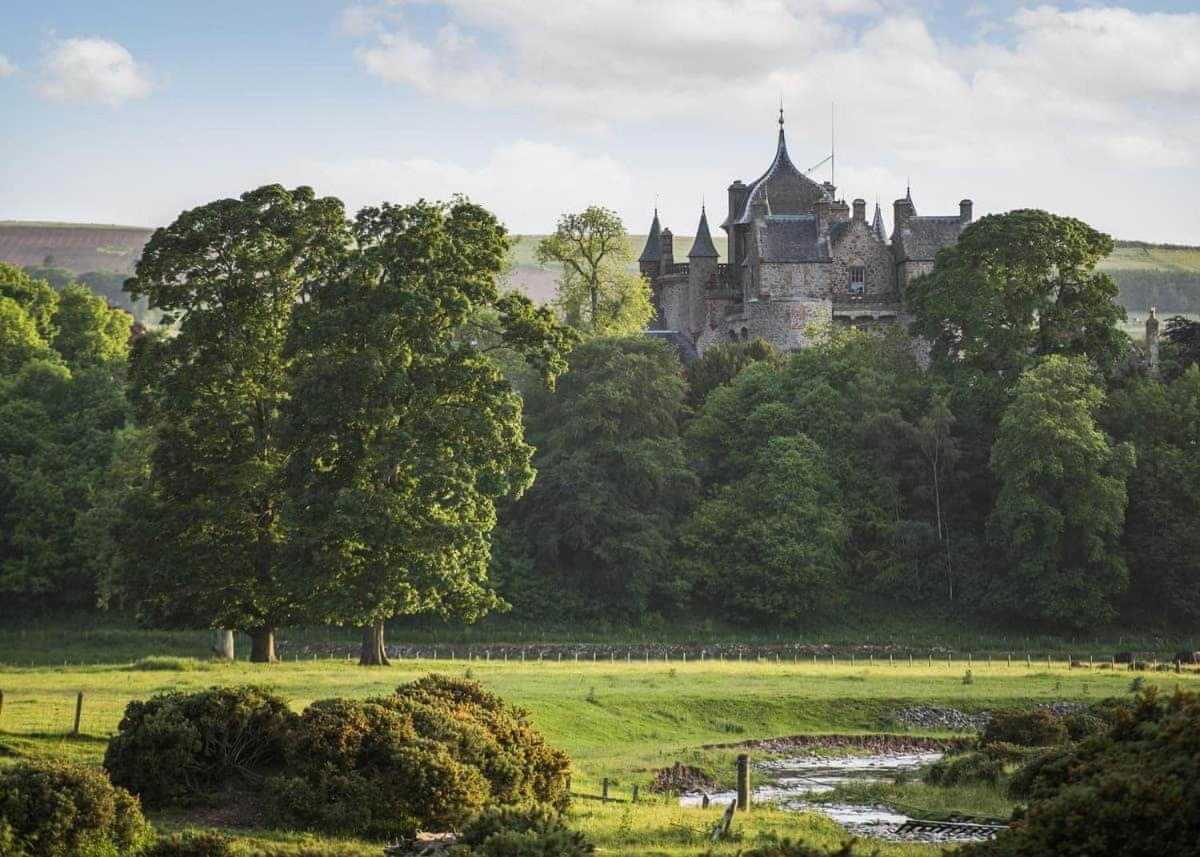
<point x="1166" y="276"/>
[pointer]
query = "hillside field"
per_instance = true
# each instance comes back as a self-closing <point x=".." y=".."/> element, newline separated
<point x="618" y="720"/>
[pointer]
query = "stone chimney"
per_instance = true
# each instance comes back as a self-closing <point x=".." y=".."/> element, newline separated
<point x="964" y="210"/>
<point x="822" y="211"/>
<point x="737" y="200"/>
<point x="668" y="250"/>
<point x="860" y="210"/>
<point x="902" y="210"/>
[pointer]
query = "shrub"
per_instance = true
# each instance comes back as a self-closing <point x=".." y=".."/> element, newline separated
<point x="175" y="748"/>
<point x="971" y="768"/>
<point x="360" y="767"/>
<point x="529" y="831"/>
<point x="787" y="848"/>
<point x="1036" y="728"/>
<point x="53" y="809"/>
<point x="430" y="756"/>
<point x="1131" y="791"/>
<point x="191" y="843"/>
<point x="1021" y="784"/>
<point x="1083" y="725"/>
<point x="167" y="664"/>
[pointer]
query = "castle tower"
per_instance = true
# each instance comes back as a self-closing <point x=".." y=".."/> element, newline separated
<point x="702" y="275"/>
<point x="877" y="224"/>
<point x="650" y="262"/>
<point x="1152" y="341"/>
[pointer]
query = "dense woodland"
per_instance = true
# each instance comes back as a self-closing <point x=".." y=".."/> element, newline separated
<point x="344" y="420"/>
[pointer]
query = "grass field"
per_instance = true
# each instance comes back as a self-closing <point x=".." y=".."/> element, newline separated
<point x="617" y="720"/>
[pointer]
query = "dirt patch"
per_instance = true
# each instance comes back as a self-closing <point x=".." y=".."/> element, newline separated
<point x="235" y="809"/>
<point x="681" y="778"/>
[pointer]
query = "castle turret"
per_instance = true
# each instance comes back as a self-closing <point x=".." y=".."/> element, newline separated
<point x="1152" y="341"/>
<point x="877" y="224"/>
<point x="902" y="210"/>
<point x="702" y="275"/>
<point x="651" y="257"/>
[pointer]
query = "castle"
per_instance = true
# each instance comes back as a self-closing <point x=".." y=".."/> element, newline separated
<point x="799" y="258"/>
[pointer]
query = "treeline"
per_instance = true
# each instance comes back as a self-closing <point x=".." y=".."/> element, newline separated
<point x="1177" y="291"/>
<point x="342" y="421"/>
<point x="109" y="285"/>
<point x="1036" y="472"/>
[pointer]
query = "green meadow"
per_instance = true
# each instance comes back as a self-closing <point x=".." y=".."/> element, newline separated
<point x="618" y="719"/>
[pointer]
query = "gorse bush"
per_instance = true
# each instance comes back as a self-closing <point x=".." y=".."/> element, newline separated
<point x="1133" y="791"/>
<point x="58" y="809"/>
<point x="526" y="831"/>
<point x="429" y="756"/>
<point x="1036" y="728"/>
<point x="178" y="748"/>
<point x="971" y="768"/>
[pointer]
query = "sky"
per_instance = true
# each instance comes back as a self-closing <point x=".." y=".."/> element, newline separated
<point x="130" y="112"/>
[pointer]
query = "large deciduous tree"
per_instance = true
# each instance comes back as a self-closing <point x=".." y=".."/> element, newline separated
<point x="406" y="432"/>
<point x="228" y="275"/>
<point x="597" y="294"/>
<point x="1059" y="514"/>
<point x="1016" y="287"/>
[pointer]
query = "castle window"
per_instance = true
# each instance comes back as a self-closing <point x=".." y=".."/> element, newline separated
<point x="858" y="279"/>
<point x="745" y="334"/>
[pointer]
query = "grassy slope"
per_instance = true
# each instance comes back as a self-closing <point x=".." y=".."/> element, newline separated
<point x="617" y="720"/>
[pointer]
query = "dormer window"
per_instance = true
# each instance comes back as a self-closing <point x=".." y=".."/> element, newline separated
<point x="858" y="279"/>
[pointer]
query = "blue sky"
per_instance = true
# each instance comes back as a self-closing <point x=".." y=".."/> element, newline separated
<point x="129" y="112"/>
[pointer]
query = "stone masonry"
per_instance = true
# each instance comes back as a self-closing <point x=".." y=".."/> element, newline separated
<point x="800" y="259"/>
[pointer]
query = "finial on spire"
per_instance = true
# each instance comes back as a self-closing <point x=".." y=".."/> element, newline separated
<point x="781" y="110"/>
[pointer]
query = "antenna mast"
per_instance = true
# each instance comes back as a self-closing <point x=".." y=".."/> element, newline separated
<point x="832" y="161"/>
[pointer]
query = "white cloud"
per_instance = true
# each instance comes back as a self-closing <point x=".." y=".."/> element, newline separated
<point x="528" y="184"/>
<point x="7" y="68"/>
<point x="93" y="70"/>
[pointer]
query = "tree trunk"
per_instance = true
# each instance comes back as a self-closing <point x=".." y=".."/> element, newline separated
<point x="374" y="654"/>
<point x="262" y="646"/>
<point x="222" y="646"/>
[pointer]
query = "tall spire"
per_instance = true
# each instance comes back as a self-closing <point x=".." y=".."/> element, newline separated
<point x="877" y="223"/>
<point x="653" y="249"/>
<point x="702" y="247"/>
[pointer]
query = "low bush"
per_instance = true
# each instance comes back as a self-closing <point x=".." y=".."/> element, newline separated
<point x="529" y="831"/>
<point x="178" y="748"/>
<point x="971" y="768"/>
<point x="191" y="843"/>
<point x="1020" y="785"/>
<point x="58" y="809"/>
<point x="1026" y="728"/>
<point x="167" y="664"/>
<point x="1083" y="725"/>
<point x="1131" y="791"/>
<point x="430" y="756"/>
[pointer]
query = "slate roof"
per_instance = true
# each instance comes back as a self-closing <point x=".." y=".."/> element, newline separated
<point x="652" y="252"/>
<point x="792" y="238"/>
<point x="703" y="247"/>
<point x="682" y="345"/>
<point x="789" y="186"/>
<point x="922" y="237"/>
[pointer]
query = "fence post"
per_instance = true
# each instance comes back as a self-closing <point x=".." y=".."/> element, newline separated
<point x="635" y="793"/>
<point x="604" y="790"/>
<point x="743" y="782"/>
<point x="78" y="712"/>
<point x="2" y="694"/>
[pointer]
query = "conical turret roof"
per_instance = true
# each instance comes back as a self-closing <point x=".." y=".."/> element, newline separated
<point x="652" y="252"/>
<point x="877" y="224"/>
<point x="703" y="247"/>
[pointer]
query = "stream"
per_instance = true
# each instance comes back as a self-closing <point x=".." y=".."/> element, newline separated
<point x="795" y="781"/>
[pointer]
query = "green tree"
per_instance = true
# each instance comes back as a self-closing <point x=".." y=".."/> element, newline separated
<point x="1016" y="287"/>
<point x="1161" y="542"/>
<point x="229" y="274"/>
<point x="20" y="341"/>
<point x="594" y="534"/>
<point x="88" y="330"/>
<point x="771" y="545"/>
<point x="1061" y="506"/>
<point x="36" y="297"/>
<point x="406" y="432"/>
<point x="596" y="293"/>
<point x="720" y="364"/>
<point x="1181" y="347"/>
